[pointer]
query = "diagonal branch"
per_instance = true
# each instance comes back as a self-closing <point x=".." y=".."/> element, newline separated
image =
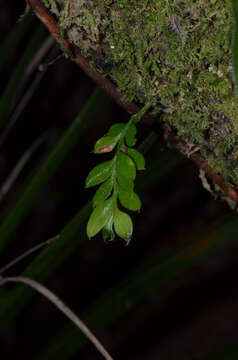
<point x="74" y="53"/>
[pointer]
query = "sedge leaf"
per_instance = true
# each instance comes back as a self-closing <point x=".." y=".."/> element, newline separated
<point x="99" y="174"/>
<point x="125" y="166"/>
<point x="129" y="200"/>
<point x="103" y="192"/>
<point x="123" y="225"/>
<point x="138" y="158"/>
<point x="105" y="144"/>
<point x="100" y="216"/>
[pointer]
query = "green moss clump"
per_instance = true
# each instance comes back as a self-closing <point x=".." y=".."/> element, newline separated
<point x="174" y="51"/>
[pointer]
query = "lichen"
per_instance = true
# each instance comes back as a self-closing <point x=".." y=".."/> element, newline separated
<point x="177" y="52"/>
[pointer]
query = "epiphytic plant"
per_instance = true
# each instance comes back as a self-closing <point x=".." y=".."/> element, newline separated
<point x="116" y="179"/>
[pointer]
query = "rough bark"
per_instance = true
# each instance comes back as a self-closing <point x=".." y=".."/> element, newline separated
<point x="176" y="53"/>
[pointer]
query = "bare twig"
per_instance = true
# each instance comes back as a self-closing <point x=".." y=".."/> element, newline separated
<point x="23" y="98"/>
<point x="28" y="253"/>
<point x="33" y="65"/>
<point x="9" y="182"/>
<point x="74" y="53"/>
<point x="40" y="54"/>
<point x="55" y="300"/>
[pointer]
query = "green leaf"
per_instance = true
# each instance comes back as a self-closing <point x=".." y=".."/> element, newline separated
<point x="54" y="255"/>
<point x="100" y="216"/>
<point x="131" y="135"/>
<point x="129" y="200"/>
<point x="138" y="158"/>
<point x="103" y="192"/>
<point x="125" y="166"/>
<point x="105" y="144"/>
<point x="123" y="225"/>
<point x="99" y="174"/>
<point x="125" y="183"/>
<point x="116" y="129"/>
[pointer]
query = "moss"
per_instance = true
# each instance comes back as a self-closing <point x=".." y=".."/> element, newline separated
<point x="177" y="52"/>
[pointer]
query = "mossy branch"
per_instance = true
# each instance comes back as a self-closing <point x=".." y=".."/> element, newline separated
<point x="182" y="144"/>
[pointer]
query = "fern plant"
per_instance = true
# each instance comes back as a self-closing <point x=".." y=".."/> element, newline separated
<point x="116" y="178"/>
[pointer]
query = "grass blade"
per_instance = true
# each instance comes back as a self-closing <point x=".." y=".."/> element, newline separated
<point x="97" y="103"/>
<point x="141" y="284"/>
<point x="52" y="257"/>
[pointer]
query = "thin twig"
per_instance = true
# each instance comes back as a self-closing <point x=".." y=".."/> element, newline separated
<point x="74" y="53"/>
<point x="37" y="59"/>
<point x="28" y="253"/>
<point x="40" y="54"/>
<point x="33" y="65"/>
<point x="55" y="300"/>
<point x="20" y="107"/>
<point x="23" y="99"/>
<point x="11" y="179"/>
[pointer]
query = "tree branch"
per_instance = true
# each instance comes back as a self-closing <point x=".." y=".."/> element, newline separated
<point x="74" y="53"/>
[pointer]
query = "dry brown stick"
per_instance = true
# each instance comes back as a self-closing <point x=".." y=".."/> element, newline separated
<point x="74" y="53"/>
<point x="55" y="300"/>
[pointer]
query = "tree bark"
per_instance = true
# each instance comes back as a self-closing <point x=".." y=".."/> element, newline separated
<point x="174" y="53"/>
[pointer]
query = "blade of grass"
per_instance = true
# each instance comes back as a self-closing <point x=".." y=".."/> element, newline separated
<point x="46" y="263"/>
<point x="141" y="284"/>
<point x="9" y="96"/>
<point x="96" y="104"/>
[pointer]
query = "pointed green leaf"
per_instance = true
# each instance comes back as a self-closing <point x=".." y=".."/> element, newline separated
<point x="131" y="135"/>
<point x="129" y="200"/>
<point x="100" y="216"/>
<point x="123" y="225"/>
<point x="105" y="144"/>
<point x="125" y="166"/>
<point x="103" y="192"/>
<point x="138" y="158"/>
<point x="99" y="174"/>
<point x="116" y="129"/>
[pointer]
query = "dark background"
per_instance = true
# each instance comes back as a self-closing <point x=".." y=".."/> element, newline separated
<point x="193" y="316"/>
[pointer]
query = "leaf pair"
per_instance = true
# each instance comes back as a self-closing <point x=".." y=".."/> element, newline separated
<point x="116" y="179"/>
